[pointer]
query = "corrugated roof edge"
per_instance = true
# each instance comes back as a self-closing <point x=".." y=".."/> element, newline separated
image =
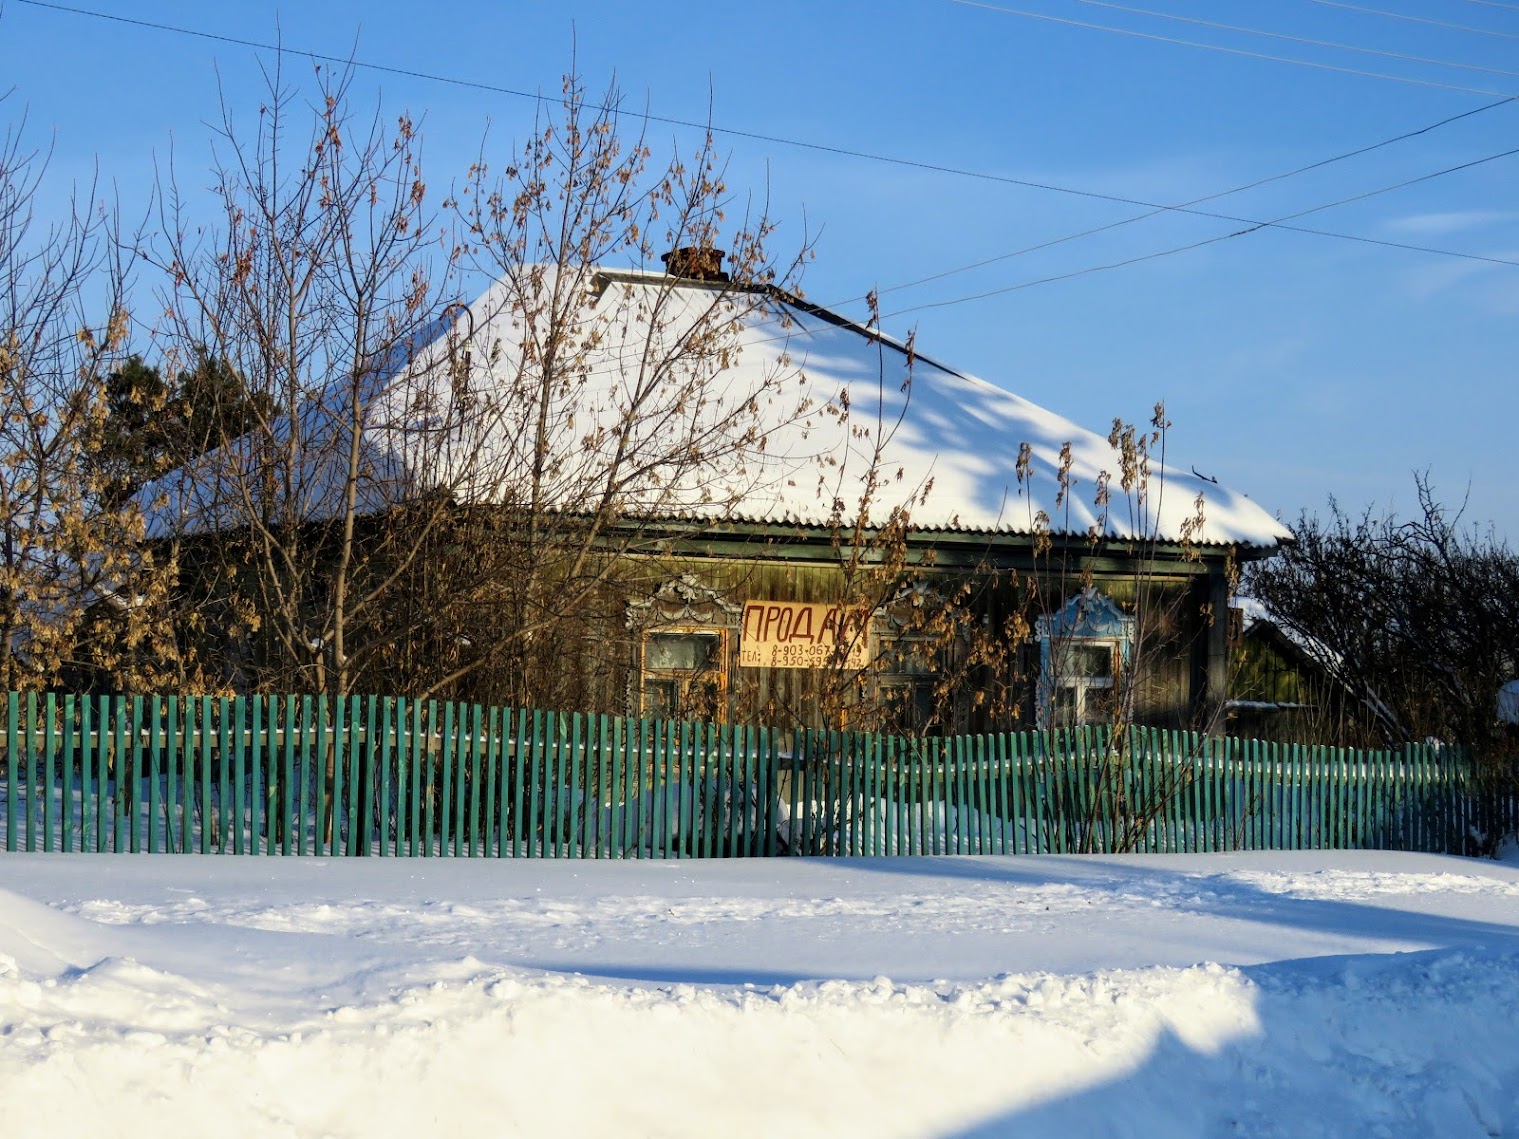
<point x="821" y="525"/>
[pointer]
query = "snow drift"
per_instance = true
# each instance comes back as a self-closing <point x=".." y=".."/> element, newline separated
<point x="1264" y="994"/>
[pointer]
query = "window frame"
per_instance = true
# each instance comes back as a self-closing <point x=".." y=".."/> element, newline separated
<point x="718" y="668"/>
<point x="1088" y="619"/>
<point x="1081" y="684"/>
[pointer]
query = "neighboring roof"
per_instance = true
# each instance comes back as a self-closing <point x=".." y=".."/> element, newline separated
<point x="1258" y="620"/>
<point x="957" y="442"/>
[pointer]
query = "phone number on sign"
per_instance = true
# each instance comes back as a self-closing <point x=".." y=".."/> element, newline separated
<point x="789" y="656"/>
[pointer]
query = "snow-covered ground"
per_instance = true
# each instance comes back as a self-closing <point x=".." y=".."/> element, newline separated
<point x="1291" y="994"/>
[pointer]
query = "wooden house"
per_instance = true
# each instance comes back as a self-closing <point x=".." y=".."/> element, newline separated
<point x="824" y="525"/>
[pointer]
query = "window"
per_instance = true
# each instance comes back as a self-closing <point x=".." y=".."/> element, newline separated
<point x="905" y="686"/>
<point x="1083" y="680"/>
<point x="1083" y="651"/>
<point x="685" y="674"/>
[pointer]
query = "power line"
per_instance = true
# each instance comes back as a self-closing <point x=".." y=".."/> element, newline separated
<point x="1296" y="39"/>
<point x="1066" y="276"/>
<point x="916" y="164"/>
<point x="1251" y="227"/>
<point x="1197" y="201"/>
<point x="1336" y="68"/>
<point x="1495" y="4"/>
<point x="824" y="148"/>
<point x="1416" y="19"/>
<point x="1277" y="224"/>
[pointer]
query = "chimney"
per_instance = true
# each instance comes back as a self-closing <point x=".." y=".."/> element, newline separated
<point x="695" y="263"/>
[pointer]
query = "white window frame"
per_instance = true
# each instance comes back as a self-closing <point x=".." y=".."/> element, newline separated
<point x="1080" y="684"/>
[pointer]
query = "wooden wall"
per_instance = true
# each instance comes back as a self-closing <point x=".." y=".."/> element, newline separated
<point x="1172" y="641"/>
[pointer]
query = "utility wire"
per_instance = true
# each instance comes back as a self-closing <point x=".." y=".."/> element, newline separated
<point x="349" y="61"/>
<point x="1296" y="39"/>
<point x="1416" y="19"/>
<point x="1066" y="20"/>
<point x="825" y="148"/>
<point x="1495" y="4"/>
<point x="1250" y="227"/>
<point x="1195" y="201"/>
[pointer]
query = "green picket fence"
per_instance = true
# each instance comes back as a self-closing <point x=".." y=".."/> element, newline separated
<point x="309" y="775"/>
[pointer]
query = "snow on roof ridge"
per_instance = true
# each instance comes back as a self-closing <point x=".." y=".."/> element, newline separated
<point x="787" y="297"/>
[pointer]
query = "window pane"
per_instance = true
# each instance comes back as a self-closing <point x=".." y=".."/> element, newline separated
<point x="688" y="651"/>
<point x="1090" y="660"/>
<point x="1063" y="705"/>
<point x="909" y="707"/>
<point x="661" y="698"/>
<point x="701" y="698"/>
<point x="1099" y="706"/>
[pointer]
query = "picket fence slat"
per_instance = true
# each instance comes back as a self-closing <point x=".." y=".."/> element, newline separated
<point x="356" y="776"/>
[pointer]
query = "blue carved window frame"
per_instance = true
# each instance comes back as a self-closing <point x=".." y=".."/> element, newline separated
<point x="1074" y="685"/>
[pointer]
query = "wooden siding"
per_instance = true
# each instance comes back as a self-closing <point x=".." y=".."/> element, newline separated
<point x="1173" y="635"/>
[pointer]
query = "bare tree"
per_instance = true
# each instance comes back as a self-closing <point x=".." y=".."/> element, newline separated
<point x="599" y="404"/>
<point x="81" y="600"/>
<point x="1415" y="621"/>
<point x="437" y="492"/>
<point x="315" y="288"/>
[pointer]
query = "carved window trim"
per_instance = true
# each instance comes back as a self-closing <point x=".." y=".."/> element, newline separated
<point x="687" y="699"/>
<point x="683" y="600"/>
<point x="683" y="605"/>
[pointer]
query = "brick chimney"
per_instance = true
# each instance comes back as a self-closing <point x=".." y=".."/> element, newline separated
<point x="695" y="263"/>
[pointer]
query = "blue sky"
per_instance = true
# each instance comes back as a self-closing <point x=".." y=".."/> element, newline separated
<point x="1294" y="366"/>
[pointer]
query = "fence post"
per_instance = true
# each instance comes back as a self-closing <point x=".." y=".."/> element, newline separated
<point x="12" y="790"/>
<point x="619" y="788"/>
<point x="343" y="774"/>
<point x="29" y="751"/>
<point x="667" y="737"/>
<point x="575" y="840"/>
<point x="495" y="783"/>
<point x="235" y="820"/>
<point x="464" y="766"/>
<point x="124" y="826"/>
<point x="604" y="803"/>
<point x="557" y="784"/>
<point x="1014" y="799"/>
<point x="961" y="755"/>
<point x="155" y="755"/>
<point x="477" y="780"/>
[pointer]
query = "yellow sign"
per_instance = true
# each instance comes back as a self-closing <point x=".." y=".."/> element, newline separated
<point x="790" y="634"/>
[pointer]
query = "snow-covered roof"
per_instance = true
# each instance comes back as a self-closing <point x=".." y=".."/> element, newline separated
<point x="788" y="371"/>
